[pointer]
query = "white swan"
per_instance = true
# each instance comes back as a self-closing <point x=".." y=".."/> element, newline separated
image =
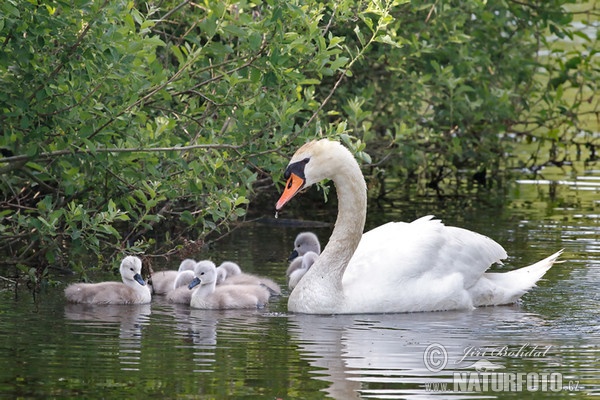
<point x="132" y="290"/>
<point x="397" y="267"/>
<point x="164" y="281"/>
<point x="298" y="271"/>
<point x="211" y="297"/>
<point x="230" y="273"/>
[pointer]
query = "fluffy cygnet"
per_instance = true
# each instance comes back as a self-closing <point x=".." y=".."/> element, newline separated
<point x="230" y="273"/>
<point x="299" y="266"/>
<point x="181" y="294"/>
<point x="164" y="281"/>
<point x="305" y="242"/>
<point x="206" y="295"/>
<point x="133" y="289"/>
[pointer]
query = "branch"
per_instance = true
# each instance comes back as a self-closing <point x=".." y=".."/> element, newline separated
<point x="52" y="154"/>
<point x="70" y="50"/>
<point x="343" y="74"/>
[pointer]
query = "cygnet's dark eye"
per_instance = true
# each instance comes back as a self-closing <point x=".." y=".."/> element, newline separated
<point x="202" y="273"/>
<point x="131" y="269"/>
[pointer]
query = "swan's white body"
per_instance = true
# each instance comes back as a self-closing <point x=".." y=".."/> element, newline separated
<point x="133" y="289"/>
<point x="397" y="267"/>
<point x="181" y="295"/>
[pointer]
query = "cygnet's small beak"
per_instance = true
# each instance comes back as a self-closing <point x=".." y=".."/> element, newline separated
<point x="195" y="282"/>
<point x="293" y="255"/>
<point x="138" y="278"/>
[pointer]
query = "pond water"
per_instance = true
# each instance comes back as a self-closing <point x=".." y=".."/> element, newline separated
<point x="50" y="349"/>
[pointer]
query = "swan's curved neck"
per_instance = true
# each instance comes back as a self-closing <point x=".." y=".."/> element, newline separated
<point x="321" y="291"/>
<point x="350" y="222"/>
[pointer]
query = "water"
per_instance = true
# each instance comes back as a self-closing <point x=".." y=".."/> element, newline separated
<point x="50" y="349"/>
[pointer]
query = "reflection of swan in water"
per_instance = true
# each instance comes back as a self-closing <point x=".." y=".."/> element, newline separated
<point x="129" y="319"/>
<point x="196" y="332"/>
<point x="375" y="355"/>
<point x="200" y="330"/>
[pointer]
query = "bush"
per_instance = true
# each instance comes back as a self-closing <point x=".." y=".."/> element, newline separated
<point x="127" y="126"/>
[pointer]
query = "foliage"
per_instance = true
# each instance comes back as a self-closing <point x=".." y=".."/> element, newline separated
<point x="146" y="126"/>
<point x="454" y="83"/>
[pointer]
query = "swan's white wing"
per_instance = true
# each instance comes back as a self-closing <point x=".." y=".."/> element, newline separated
<point x="398" y="253"/>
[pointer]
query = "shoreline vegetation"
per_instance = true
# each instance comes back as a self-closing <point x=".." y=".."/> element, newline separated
<point x="126" y="128"/>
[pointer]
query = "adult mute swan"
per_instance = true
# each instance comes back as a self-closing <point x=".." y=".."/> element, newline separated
<point x="132" y="290"/>
<point x="397" y="267"/>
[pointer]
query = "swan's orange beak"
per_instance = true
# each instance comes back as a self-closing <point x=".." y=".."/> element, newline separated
<point x="293" y="186"/>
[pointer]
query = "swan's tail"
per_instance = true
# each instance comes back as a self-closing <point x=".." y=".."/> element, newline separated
<point x="508" y="287"/>
<point x="528" y="276"/>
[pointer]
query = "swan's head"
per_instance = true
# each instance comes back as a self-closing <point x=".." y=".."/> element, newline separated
<point x="131" y="270"/>
<point x="305" y="242"/>
<point x="221" y="275"/>
<point x="206" y="273"/>
<point x="187" y="265"/>
<point x="231" y="268"/>
<point x="315" y="161"/>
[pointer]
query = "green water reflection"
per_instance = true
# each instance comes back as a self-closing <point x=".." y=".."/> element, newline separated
<point x="53" y="350"/>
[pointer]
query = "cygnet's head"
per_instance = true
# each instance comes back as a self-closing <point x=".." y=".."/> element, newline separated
<point x="131" y="270"/>
<point x="231" y="268"/>
<point x="187" y="265"/>
<point x="206" y="273"/>
<point x="305" y="242"/>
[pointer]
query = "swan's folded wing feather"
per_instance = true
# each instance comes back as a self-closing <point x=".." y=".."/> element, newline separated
<point x="397" y="252"/>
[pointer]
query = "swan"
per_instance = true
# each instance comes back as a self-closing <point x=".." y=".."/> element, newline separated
<point x="211" y="297"/>
<point x="299" y="267"/>
<point x="305" y="242"/>
<point x="397" y="267"/>
<point x="183" y="278"/>
<point x="163" y="281"/>
<point x="230" y="273"/>
<point x="181" y="294"/>
<point x="132" y="290"/>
